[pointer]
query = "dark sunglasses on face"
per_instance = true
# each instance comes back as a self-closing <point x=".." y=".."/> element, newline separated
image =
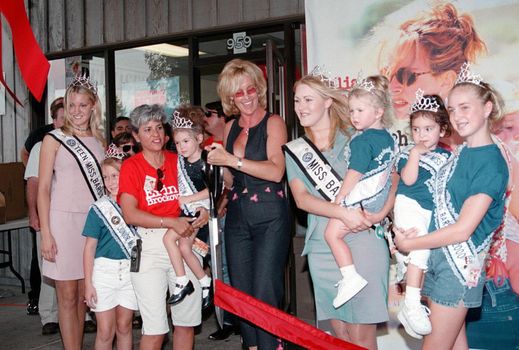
<point x="160" y="176"/>
<point x="210" y="113"/>
<point x="249" y="91"/>
<point x="127" y="148"/>
<point x="407" y="77"/>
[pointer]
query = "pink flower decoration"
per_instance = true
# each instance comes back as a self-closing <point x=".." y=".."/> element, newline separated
<point x="234" y="197"/>
<point x="280" y="193"/>
<point x="267" y="189"/>
<point x="254" y="198"/>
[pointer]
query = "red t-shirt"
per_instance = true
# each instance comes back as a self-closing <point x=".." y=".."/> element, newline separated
<point x="209" y="141"/>
<point x="139" y="179"/>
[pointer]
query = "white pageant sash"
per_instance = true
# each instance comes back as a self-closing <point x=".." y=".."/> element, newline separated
<point x="431" y="161"/>
<point x="463" y="258"/>
<point x="187" y="188"/>
<point x="86" y="161"/>
<point x="315" y="166"/>
<point x="109" y="212"/>
<point x="374" y="182"/>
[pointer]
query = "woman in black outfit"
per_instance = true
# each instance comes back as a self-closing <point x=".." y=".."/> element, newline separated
<point x="257" y="224"/>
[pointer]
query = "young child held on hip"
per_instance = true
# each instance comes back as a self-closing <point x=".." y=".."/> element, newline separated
<point x="418" y="165"/>
<point x="188" y="136"/>
<point x="469" y="206"/>
<point x="367" y="181"/>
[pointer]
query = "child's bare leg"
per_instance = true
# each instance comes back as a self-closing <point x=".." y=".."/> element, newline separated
<point x="413" y="315"/>
<point x="183" y="285"/>
<point x="351" y="282"/>
<point x="334" y="236"/>
<point x="175" y="256"/>
<point x="186" y="249"/>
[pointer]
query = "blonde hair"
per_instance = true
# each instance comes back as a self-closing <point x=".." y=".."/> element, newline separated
<point x="486" y="93"/>
<point x="113" y="162"/>
<point x="338" y="109"/>
<point x="96" y="125"/>
<point x="447" y="39"/>
<point x="230" y="79"/>
<point x="380" y="96"/>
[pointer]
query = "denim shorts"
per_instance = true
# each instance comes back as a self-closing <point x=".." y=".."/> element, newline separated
<point x="444" y="288"/>
<point x="496" y="324"/>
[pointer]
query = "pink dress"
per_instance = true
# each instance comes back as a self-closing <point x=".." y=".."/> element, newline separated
<point x="70" y="200"/>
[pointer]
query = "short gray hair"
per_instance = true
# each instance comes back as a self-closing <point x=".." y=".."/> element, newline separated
<point x="145" y="113"/>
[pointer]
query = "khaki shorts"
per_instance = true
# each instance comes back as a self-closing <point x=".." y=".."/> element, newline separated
<point x="155" y="275"/>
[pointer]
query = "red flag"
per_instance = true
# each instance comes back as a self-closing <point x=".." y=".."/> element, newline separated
<point x="33" y="64"/>
<point x="276" y="321"/>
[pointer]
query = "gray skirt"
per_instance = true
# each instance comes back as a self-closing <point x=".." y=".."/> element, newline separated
<point x="371" y="258"/>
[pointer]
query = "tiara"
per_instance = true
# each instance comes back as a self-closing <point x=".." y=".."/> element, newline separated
<point x="180" y="122"/>
<point x="324" y="76"/>
<point x="465" y="76"/>
<point x="424" y="103"/>
<point x="362" y="83"/>
<point x="83" y="81"/>
<point x="114" y="152"/>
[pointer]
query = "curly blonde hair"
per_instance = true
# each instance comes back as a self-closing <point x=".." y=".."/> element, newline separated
<point x="380" y="97"/>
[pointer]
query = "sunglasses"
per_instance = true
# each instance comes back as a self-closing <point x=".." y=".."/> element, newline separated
<point x="160" y="176"/>
<point x="406" y="77"/>
<point x="128" y="148"/>
<point x="249" y="91"/>
<point x="210" y="113"/>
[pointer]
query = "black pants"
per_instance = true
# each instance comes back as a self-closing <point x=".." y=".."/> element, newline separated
<point x="257" y="237"/>
<point x="35" y="276"/>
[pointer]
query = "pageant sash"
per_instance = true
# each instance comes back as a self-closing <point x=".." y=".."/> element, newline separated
<point x="85" y="159"/>
<point x="110" y="213"/>
<point x="315" y="167"/>
<point x="431" y="161"/>
<point x="374" y="182"/>
<point x="463" y="257"/>
<point x="187" y="188"/>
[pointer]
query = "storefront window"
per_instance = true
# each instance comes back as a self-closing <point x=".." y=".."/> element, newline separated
<point x="238" y="42"/>
<point x="151" y="74"/>
<point x="63" y="70"/>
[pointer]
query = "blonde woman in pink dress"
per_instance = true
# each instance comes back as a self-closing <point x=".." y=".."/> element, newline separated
<point x="70" y="181"/>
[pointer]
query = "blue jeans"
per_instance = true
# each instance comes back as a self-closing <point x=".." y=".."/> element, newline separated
<point x="495" y="325"/>
<point x="257" y="238"/>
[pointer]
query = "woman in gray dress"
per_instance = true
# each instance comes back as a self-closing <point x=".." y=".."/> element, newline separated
<point x="314" y="184"/>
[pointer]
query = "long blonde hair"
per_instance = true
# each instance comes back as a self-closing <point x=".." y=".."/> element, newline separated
<point x="96" y="125"/>
<point x="339" y="121"/>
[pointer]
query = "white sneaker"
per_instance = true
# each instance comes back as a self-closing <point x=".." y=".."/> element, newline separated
<point x="348" y="289"/>
<point x="415" y="320"/>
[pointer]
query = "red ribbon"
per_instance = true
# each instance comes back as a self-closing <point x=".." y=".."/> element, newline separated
<point x="276" y="321"/>
<point x="33" y="64"/>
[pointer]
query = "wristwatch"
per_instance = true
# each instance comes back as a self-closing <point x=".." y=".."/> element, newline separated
<point x="239" y="164"/>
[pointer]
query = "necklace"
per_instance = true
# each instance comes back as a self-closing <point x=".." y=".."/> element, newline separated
<point x="80" y="129"/>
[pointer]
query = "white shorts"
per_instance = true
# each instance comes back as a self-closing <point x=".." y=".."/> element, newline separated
<point x="408" y="213"/>
<point x="111" y="279"/>
<point x="151" y="283"/>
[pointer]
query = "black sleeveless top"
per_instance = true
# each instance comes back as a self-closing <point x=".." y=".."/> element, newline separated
<point x="255" y="149"/>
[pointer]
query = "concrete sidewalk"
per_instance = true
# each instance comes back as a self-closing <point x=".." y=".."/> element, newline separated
<point x="21" y="331"/>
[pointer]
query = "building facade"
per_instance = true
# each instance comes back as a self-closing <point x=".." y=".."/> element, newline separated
<point x="147" y="51"/>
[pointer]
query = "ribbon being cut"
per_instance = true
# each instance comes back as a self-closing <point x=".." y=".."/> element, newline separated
<point x="275" y="321"/>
